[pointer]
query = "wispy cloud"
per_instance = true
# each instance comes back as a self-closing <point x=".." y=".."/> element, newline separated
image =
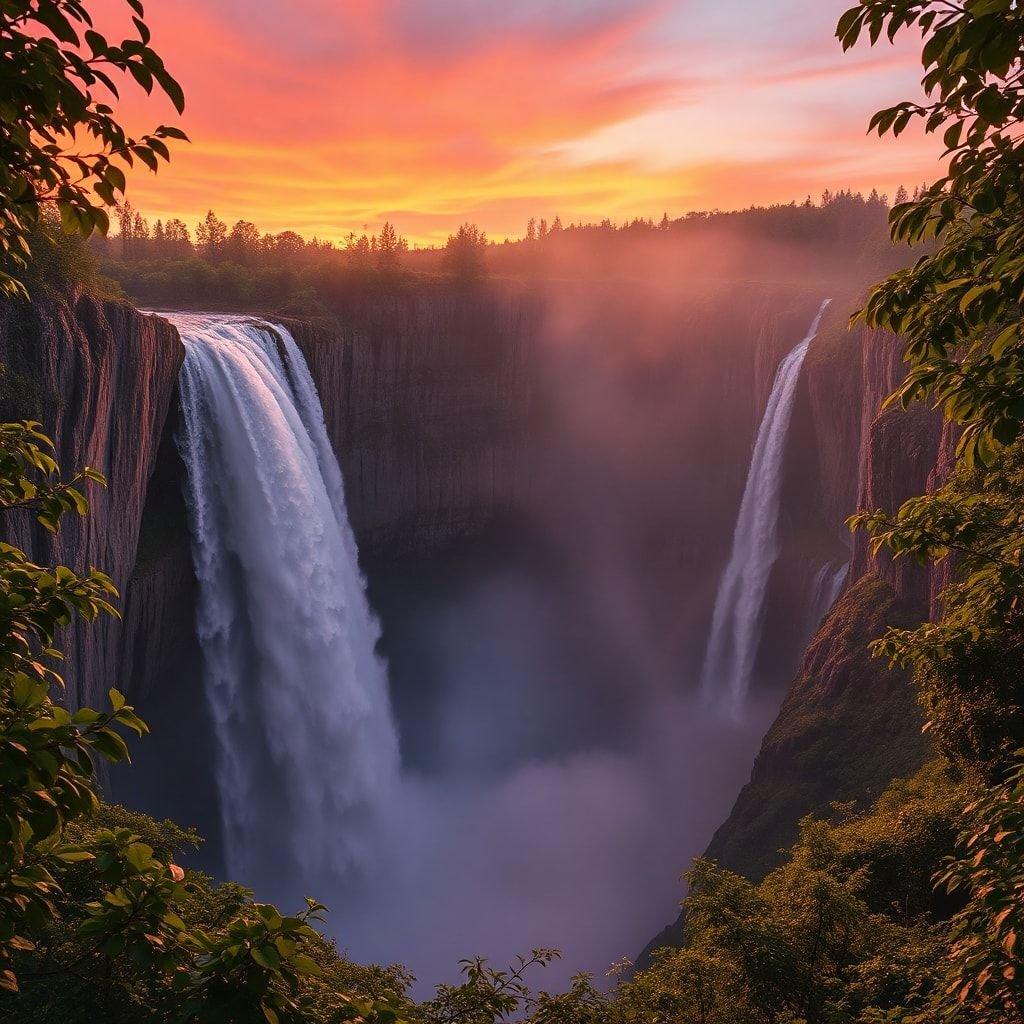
<point x="332" y="116"/>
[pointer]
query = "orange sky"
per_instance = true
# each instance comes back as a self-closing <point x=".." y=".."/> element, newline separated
<point x="328" y="116"/>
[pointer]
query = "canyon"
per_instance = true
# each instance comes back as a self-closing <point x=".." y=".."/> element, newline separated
<point x="472" y="428"/>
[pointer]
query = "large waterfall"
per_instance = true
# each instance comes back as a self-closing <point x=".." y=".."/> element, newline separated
<point x="305" y="739"/>
<point x="739" y="605"/>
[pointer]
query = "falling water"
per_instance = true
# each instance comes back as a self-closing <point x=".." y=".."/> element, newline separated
<point x="299" y="700"/>
<point x="739" y="606"/>
<point x="827" y="585"/>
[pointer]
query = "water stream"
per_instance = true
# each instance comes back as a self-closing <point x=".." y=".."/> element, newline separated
<point x="739" y="605"/>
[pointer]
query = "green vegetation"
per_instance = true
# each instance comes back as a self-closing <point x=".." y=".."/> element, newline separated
<point x="959" y="309"/>
<point x="912" y="912"/>
<point x="92" y="895"/>
<point x="213" y="266"/>
<point x="57" y="74"/>
<point x="840" y="932"/>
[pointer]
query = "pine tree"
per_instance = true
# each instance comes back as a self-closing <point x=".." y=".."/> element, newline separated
<point x="125" y="213"/>
<point x="390" y="246"/>
<point x="211" y="235"/>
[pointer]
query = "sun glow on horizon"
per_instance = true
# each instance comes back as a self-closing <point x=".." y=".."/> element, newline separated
<point x="340" y="116"/>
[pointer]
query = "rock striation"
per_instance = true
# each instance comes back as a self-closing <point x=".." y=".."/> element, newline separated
<point x="100" y="377"/>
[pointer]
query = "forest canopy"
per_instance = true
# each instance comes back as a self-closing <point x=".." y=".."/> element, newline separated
<point x="174" y="265"/>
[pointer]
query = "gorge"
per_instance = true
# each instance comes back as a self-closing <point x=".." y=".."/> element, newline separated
<point x="522" y="522"/>
<point x="520" y="472"/>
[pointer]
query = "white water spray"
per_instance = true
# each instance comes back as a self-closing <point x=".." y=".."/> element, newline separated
<point x="307" y="748"/>
<point x="739" y="606"/>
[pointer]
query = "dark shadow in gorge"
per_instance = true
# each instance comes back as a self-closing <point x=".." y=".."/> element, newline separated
<point x="497" y="655"/>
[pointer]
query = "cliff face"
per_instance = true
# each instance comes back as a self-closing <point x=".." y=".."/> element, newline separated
<point x="428" y="401"/>
<point x="450" y="410"/>
<point x="454" y="410"/>
<point x="615" y="421"/>
<point x="849" y="724"/>
<point x="100" y="377"/>
<point x="847" y="727"/>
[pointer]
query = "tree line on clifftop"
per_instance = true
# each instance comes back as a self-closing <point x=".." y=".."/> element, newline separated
<point x="167" y="263"/>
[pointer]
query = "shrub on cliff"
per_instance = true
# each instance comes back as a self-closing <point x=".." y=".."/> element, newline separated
<point x="846" y="930"/>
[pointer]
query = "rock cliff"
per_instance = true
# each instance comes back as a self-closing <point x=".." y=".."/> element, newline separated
<point x="100" y="376"/>
<point x="428" y="398"/>
<point x="455" y="409"/>
<point x="451" y="411"/>
<point x="849" y="724"/>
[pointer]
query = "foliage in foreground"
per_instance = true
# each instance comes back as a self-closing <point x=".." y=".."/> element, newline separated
<point x="86" y="894"/>
<point x="61" y="142"/>
<point x="959" y="308"/>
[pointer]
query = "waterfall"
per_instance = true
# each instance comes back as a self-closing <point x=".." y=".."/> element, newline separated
<point x="828" y="582"/>
<point x="306" y="745"/>
<point x="739" y="605"/>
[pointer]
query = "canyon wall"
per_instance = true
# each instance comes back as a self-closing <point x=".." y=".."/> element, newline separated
<point x="100" y="377"/>
<point x="428" y="398"/>
<point x="453" y="410"/>
<point x="849" y="724"/>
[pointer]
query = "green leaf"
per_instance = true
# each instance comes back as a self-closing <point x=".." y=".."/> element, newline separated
<point x="74" y="856"/>
<point x="305" y="965"/>
<point x="140" y="856"/>
<point x="266" y="956"/>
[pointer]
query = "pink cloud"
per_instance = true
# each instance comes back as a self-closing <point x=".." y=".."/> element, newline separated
<point x="331" y="114"/>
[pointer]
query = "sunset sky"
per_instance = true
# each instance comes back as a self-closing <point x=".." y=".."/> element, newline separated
<point x="327" y="116"/>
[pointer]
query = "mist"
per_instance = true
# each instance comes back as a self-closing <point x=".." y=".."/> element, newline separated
<point x="561" y="768"/>
<point x="581" y="852"/>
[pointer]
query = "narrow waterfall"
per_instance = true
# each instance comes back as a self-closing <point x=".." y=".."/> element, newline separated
<point x="298" y="697"/>
<point x="739" y="606"/>
<point x="828" y="582"/>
